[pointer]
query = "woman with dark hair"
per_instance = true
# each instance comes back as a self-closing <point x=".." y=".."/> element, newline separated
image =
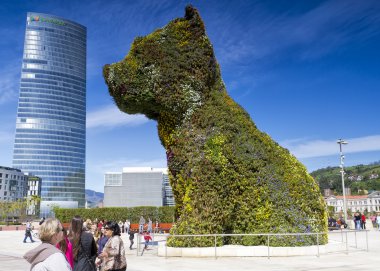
<point x="113" y="254"/>
<point x="84" y="246"/>
<point x="102" y="240"/>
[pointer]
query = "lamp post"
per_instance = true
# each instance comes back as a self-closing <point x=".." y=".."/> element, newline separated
<point x="342" y="142"/>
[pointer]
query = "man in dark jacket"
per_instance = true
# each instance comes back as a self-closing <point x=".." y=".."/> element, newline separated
<point x="131" y="237"/>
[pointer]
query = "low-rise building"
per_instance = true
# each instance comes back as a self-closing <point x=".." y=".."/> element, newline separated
<point x="17" y="185"/>
<point x="137" y="186"/>
<point x="13" y="184"/>
<point x="370" y="202"/>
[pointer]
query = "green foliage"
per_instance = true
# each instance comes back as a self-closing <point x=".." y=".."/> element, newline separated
<point x="163" y="214"/>
<point x="330" y="177"/>
<point x="13" y="210"/>
<point x="227" y="176"/>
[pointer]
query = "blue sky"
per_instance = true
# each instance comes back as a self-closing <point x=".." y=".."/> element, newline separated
<point x="308" y="73"/>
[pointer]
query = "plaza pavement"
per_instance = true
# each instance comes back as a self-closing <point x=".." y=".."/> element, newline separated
<point x="12" y="248"/>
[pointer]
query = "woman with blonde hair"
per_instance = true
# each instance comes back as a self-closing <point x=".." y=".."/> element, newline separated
<point x="46" y="256"/>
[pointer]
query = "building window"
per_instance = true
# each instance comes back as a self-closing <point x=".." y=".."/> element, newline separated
<point x="113" y="179"/>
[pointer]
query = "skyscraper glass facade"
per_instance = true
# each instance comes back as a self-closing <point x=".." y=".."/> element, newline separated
<point x="51" y="115"/>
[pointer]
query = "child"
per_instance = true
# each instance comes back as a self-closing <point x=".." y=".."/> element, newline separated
<point x="147" y="238"/>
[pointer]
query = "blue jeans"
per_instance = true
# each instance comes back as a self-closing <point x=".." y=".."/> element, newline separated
<point x="357" y="225"/>
<point x="28" y="235"/>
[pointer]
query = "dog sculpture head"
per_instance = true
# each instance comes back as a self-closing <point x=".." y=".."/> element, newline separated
<point x="168" y="71"/>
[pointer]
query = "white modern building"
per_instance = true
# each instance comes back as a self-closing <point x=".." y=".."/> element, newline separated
<point x="370" y="202"/>
<point x="137" y="186"/>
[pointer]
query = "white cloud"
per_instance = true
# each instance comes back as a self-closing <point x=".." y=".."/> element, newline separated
<point x="111" y="117"/>
<point x="303" y="148"/>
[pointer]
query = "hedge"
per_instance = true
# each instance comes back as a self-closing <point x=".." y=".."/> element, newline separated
<point x="163" y="214"/>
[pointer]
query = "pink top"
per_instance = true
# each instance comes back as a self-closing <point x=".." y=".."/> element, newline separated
<point x="69" y="252"/>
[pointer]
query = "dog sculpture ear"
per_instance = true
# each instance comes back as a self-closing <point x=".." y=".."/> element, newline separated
<point x="192" y="15"/>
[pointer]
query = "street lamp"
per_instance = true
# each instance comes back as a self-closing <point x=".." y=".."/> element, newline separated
<point x="342" y="142"/>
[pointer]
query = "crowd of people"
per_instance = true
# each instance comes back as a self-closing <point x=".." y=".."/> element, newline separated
<point x="359" y="219"/>
<point x="85" y="246"/>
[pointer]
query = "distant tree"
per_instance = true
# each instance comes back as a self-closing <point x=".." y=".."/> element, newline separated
<point x="331" y="178"/>
<point x="11" y="210"/>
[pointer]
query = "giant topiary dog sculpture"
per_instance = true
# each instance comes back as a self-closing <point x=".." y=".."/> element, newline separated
<point x="226" y="175"/>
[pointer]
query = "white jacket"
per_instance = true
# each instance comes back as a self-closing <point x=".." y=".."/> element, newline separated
<point x="55" y="262"/>
<point x="47" y="257"/>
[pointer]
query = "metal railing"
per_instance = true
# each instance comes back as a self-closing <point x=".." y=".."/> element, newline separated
<point x="341" y="238"/>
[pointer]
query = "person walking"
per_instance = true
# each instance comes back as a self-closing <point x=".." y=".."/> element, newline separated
<point x="46" y="256"/>
<point x="141" y="224"/>
<point x="113" y="254"/>
<point x="127" y="225"/>
<point x="131" y="237"/>
<point x="84" y="246"/>
<point x="147" y="238"/>
<point x="378" y="222"/>
<point x="28" y="232"/>
<point x="150" y="225"/>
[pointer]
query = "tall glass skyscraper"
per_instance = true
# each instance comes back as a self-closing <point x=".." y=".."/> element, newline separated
<point x="51" y="117"/>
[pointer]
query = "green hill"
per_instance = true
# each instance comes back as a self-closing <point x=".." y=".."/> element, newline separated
<point x="359" y="178"/>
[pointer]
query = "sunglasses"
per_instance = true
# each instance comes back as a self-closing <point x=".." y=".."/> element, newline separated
<point x="107" y="229"/>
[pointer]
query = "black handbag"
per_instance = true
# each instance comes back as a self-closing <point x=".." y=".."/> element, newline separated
<point x="89" y="261"/>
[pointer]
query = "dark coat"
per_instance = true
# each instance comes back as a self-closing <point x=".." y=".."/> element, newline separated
<point x="88" y="247"/>
<point x="102" y="241"/>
